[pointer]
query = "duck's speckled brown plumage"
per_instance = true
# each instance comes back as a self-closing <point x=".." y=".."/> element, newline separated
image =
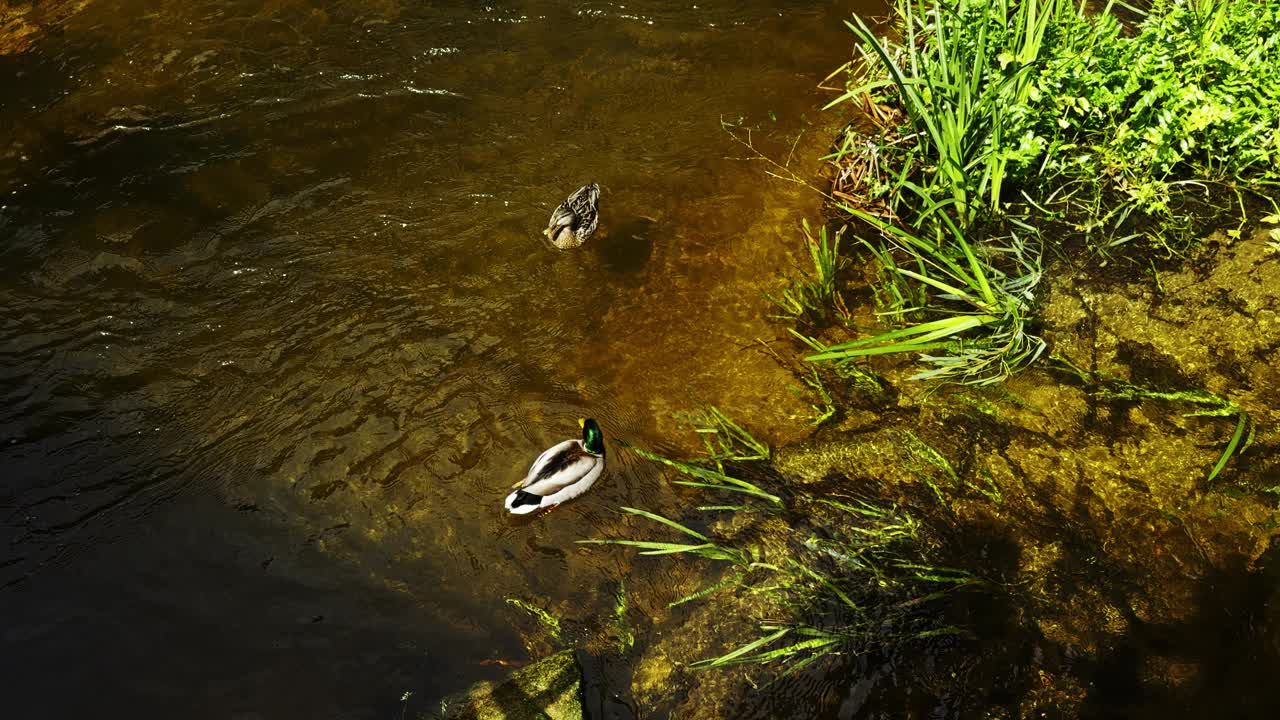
<point x="576" y="218"/>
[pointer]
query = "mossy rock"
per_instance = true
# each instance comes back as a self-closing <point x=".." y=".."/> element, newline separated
<point x="550" y="689"/>
<point x="569" y="685"/>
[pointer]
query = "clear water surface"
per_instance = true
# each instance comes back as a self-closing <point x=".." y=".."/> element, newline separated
<point x="279" y="328"/>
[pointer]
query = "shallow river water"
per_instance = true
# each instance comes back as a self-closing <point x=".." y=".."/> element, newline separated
<point x="279" y="328"/>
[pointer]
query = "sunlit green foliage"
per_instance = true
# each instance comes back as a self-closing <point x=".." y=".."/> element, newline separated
<point x="969" y="292"/>
<point x="1045" y="99"/>
<point x="954" y="75"/>
<point x="1191" y="97"/>
<point x="1005" y="127"/>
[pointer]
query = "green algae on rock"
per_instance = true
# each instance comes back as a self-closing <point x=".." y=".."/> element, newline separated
<point x="549" y="689"/>
<point x="569" y="685"/>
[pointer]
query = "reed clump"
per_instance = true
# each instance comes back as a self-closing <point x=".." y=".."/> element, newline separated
<point x="993" y="131"/>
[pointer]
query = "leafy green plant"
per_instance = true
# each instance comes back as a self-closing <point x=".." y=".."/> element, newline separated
<point x="955" y="74"/>
<point x="1104" y="129"/>
<point x="1009" y="118"/>
<point x="958" y="69"/>
<point x="972" y="292"/>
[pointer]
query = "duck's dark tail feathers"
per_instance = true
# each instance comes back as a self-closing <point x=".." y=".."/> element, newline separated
<point x="525" y="498"/>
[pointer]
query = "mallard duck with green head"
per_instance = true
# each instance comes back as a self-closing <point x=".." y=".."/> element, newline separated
<point x="562" y="472"/>
<point x="576" y="218"/>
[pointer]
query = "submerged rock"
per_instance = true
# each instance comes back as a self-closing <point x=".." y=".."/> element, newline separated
<point x="568" y="685"/>
<point x="550" y="688"/>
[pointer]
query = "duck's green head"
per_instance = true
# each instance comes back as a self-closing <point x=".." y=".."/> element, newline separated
<point x="592" y="438"/>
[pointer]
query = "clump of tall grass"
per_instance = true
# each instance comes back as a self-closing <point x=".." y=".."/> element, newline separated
<point x="1145" y="126"/>
<point x="954" y="75"/>
<point x="966" y="292"/>
<point x="960" y="290"/>
<point x="1004" y="107"/>
<point x="998" y="124"/>
<point x="850" y="574"/>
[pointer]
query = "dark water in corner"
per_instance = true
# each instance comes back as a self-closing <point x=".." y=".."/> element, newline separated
<point x="278" y="327"/>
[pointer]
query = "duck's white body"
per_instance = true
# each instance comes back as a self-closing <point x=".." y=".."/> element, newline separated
<point x="563" y="472"/>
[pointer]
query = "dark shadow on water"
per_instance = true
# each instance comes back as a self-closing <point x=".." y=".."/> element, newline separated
<point x="1220" y="661"/>
<point x="604" y="690"/>
<point x="1229" y="645"/>
<point x="626" y="248"/>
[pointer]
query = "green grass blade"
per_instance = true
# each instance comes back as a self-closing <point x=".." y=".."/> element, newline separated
<point x="783" y="652"/>
<point x="729" y="657"/>
<point x="665" y="521"/>
<point x="878" y="350"/>
<point x="726" y="582"/>
<point x="712" y="478"/>
<point x="1230" y="450"/>
<point x="750" y="490"/>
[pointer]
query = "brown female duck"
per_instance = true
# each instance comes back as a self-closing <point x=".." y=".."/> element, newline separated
<point x="576" y="218"/>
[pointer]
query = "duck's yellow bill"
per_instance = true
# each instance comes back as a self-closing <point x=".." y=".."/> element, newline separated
<point x="582" y="422"/>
